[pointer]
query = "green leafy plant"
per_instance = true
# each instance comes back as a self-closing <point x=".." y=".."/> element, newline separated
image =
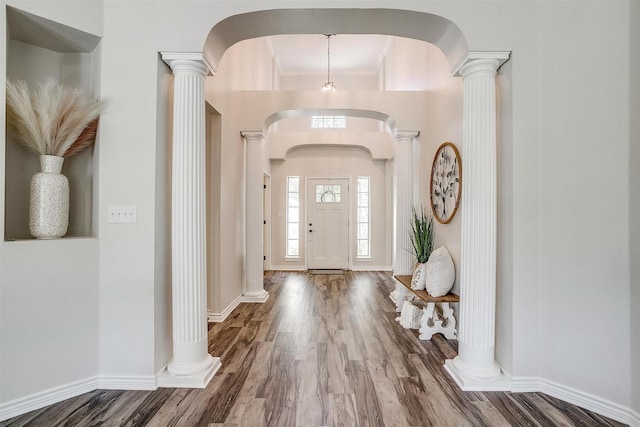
<point x="53" y="119"/>
<point x="422" y="234"/>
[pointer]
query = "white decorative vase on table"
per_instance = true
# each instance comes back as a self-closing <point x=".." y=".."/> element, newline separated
<point x="49" y="200"/>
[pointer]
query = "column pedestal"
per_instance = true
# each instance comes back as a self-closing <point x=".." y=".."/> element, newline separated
<point x="191" y="366"/>
<point x="475" y="367"/>
<point x="254" y="218"/>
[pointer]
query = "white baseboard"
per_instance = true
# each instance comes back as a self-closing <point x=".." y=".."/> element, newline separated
<point x="526" y="384"/>
<point x="288" y="268"/>
<point x="48" y="397"/>
<point x="221" y="317"/>
<point x="371" y="268"/>
<point x="125" y="382"/>
<point x="576" y="397"/>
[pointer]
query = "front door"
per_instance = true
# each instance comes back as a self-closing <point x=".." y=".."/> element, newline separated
<point x="328" y="223"/>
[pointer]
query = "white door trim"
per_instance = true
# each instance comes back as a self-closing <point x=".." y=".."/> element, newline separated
<point x="266" y="216"/>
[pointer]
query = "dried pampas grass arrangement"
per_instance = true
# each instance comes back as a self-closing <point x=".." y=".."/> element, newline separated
<point x="53" y="120"/>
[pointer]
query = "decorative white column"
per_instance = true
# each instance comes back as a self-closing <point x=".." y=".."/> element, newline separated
<point x="254" y="218"/>
<point x="191" y="365"/>
<point x="475" y="367"/>
<point x="403" y="262"/>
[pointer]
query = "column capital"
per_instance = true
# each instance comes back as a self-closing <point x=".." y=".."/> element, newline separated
<point x="252" y="135"/>
<point x="406" y="135"/>
<point x="194" y="62"/>
<point x="480" y="61"/>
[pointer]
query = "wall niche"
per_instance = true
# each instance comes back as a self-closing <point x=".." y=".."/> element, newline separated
<point x="36" y="49"/>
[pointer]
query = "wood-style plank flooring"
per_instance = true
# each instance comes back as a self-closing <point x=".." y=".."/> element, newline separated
<point x="324" y="350"/>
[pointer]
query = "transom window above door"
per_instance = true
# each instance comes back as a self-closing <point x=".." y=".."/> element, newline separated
<point x="328" y="122"/>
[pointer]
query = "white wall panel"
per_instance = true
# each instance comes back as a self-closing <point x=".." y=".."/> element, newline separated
<point x="49" y="317"/>
<point x="584" y="202"/>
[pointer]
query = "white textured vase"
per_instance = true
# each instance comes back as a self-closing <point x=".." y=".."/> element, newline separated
<point x="49" y="200"/>
<point x="419" y="277"/>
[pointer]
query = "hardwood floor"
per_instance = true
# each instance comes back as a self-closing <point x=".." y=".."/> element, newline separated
<point x="324" y="350"/>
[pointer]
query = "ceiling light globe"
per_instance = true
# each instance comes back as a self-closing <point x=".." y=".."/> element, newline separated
<point x="328" y="87"/>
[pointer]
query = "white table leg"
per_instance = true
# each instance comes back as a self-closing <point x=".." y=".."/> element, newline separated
<point x="432" y="321"/>
<point x="398" y="295"/>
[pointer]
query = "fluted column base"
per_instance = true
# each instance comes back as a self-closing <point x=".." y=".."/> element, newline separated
<point x="465" y="376"/>
<point x="478" y="371"/>
<point x="259" y="295"/>
<point x="205" y="372"/>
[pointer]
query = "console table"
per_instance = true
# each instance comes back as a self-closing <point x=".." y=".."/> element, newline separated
<point x="432" y="321"/>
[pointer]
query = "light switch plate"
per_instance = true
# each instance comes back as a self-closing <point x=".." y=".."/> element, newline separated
<point x="122" y="215"/>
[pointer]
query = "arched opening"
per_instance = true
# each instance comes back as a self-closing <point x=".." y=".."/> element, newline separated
<point x="357" y="157"/>
<point x="264" y="108"/>
<point x="383" y="118"/>
<point x="403" y="23"/>
<point x="476" y="361"/>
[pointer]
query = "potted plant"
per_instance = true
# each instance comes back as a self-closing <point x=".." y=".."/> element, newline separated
<point x="422" y="238"/>
<point x="55" y="122"/>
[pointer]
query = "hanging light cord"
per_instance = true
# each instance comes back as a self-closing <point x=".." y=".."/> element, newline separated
<point x="329" y="86"/>
<point x="328" y="58"/>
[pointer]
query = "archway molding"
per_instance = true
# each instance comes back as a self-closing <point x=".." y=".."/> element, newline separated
<point x="347" y="112"/>
<point x="427" y="27"/>
<point x="378" y="144"/>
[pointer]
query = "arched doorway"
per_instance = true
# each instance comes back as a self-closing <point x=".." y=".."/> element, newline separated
<point x="427" y="27"/>
<point x="475" y="367"/>
<point x="358" y="157"/>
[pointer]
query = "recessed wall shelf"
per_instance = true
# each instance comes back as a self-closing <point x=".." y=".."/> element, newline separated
<point x="38" y="48"/>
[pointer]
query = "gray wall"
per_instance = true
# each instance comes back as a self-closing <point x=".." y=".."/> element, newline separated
<point x="584" y="197"/>
<point x="634" y="199"/>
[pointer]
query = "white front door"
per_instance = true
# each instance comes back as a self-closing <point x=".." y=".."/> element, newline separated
<point x="328" y="223"/>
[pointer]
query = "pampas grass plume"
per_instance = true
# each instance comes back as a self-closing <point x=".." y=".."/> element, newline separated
<point x="53" y="120"/>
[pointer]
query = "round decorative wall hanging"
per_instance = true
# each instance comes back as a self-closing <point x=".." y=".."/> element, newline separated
<point x="446" y="182"/>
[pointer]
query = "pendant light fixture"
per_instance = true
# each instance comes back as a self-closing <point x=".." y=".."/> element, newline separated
<point x="329" y="86"/>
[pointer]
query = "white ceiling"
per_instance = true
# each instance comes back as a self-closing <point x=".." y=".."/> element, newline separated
<point x="307" y="53"/>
